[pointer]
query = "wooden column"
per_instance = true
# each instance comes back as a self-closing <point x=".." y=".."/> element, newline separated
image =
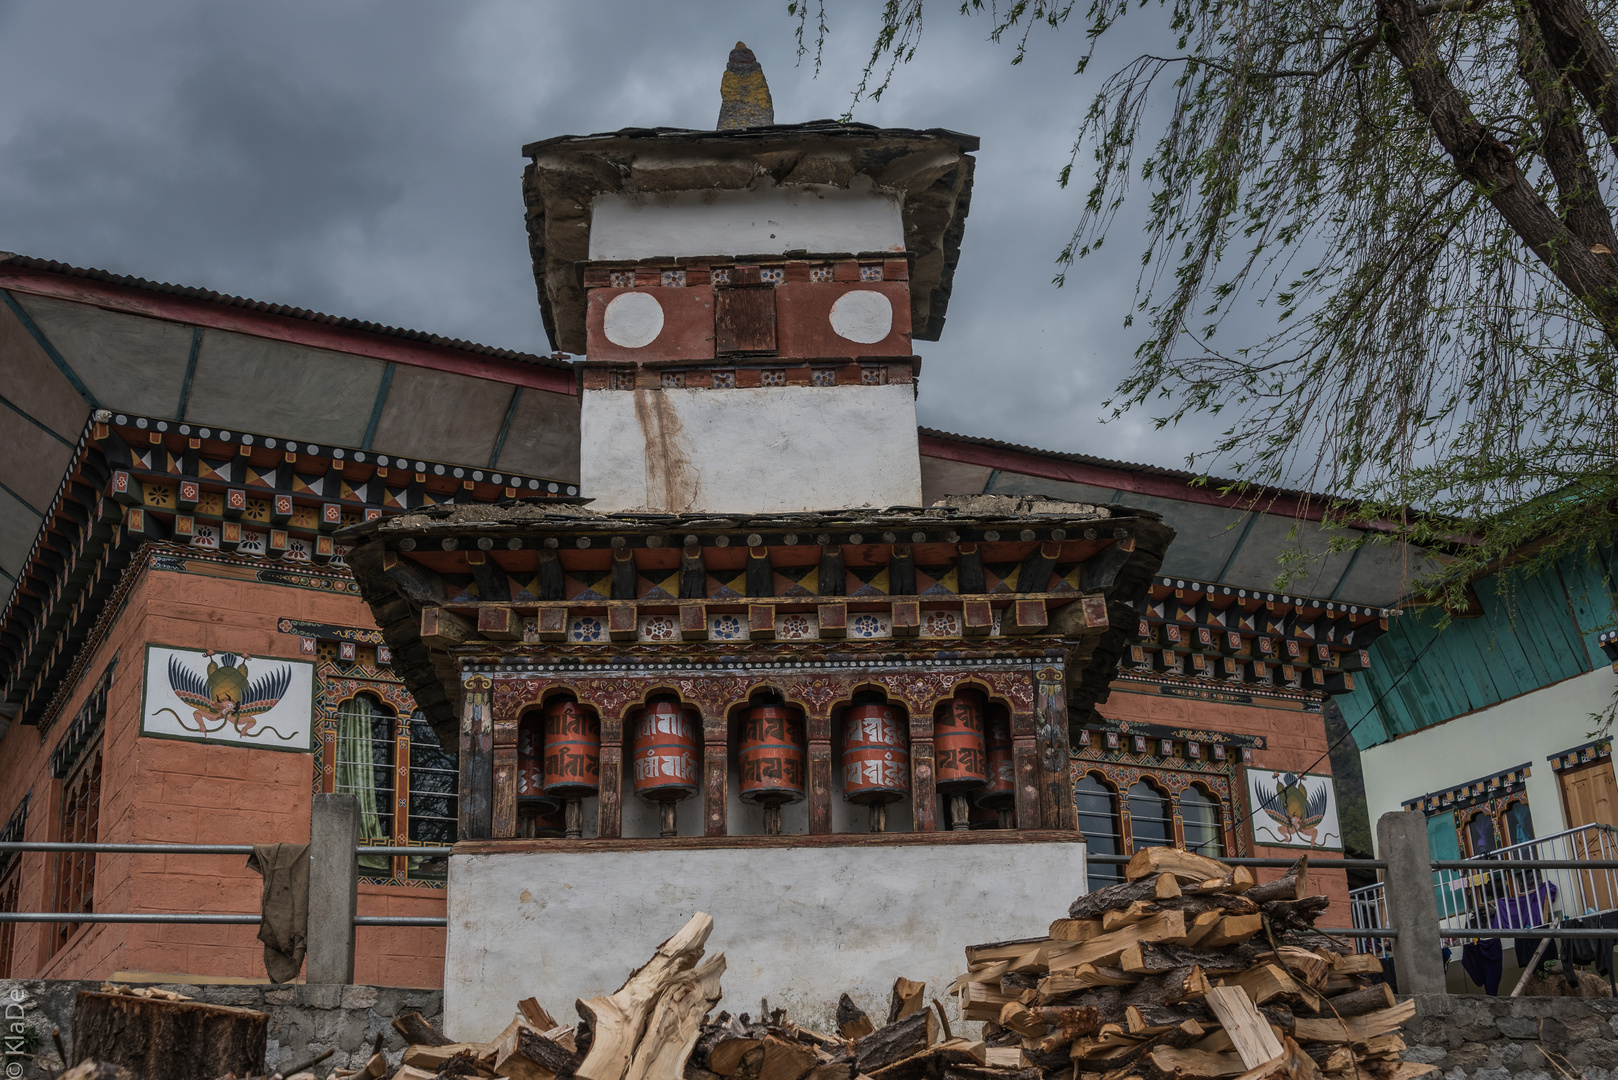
<point x="610" y="809"/>
<point x="503" y="814"/>
<point x="820" y="772"/>
<point x="1025" y="762"/>
<point x="923" y="772"/>
<point x="715" y="772"/>
<point x="1051" y="743"/>
<point x="477" y="758"/>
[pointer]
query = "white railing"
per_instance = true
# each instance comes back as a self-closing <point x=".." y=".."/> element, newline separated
<point x="1496" y="896"/>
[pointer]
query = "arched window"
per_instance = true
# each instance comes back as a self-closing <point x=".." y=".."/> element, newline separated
<point x="434" y="817"/>
<point x="1098" y="821"/>
<point x="1480" y="835"/>
<point x="1516" y="825"/>
<point x="1200" y="816"/>
<point x="365" y="770"/>
<point x="1149" y="816"/>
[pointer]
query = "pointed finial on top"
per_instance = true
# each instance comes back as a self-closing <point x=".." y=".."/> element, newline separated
<point x="744" y="96"/>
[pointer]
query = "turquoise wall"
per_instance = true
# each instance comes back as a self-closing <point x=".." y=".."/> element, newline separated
<point x="1536" y="629"/>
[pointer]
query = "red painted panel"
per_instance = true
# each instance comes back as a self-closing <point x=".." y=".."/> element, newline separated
<point x="803" y="319"/>
<point x="687" y="332"/>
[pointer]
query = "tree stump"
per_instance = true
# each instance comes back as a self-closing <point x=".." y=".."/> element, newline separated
<point x="169" y="1040"/>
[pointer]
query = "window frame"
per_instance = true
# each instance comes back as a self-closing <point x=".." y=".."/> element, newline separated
<point x="75" y="874"/>
<point x="1122" y="768"/>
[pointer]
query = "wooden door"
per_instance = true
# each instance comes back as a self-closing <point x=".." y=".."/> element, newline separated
<point x="1590" y="796"/>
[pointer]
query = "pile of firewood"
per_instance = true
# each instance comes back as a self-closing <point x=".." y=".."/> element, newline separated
<point x="1188" y="970"/>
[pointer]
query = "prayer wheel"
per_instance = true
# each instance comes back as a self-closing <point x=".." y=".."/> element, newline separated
<point x="963" y="763"/>
<point x="534" y="810"/>
<point x="571" y="770"/>
<point x="876" y="759"/>
<point x="773" y="760"/>
<point x="1001" y="794"/>
<point x="666" y="756"/>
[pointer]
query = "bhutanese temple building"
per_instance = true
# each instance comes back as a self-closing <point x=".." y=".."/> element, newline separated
<point x="689" y="615"/>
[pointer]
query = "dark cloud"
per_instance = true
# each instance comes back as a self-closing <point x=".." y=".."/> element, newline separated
<point x="363" y="159"/>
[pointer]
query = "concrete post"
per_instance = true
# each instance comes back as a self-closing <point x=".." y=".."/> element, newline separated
<point x="1418" y="964"/>
<point x="334" y="888"/>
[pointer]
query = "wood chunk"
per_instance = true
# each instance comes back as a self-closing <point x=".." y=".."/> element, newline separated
<point x="1150" y="1019"/>
<point x="852" y="1022"/>
<point x="1356" y="964"/>
<point x="435" y="1057"/>
<point x="1216" y="1042"/>
<point x="1199" y="927"/>
<point x="1360" y="1002"/>
<point x="1084" y="977"/>
<point x="1167" y="1061"/>
<point x="563" y="1036"/>
<point x="907" y="998"/>
<point x="1407" y="1070"/>
<point x="951" y="1052"/>
<point x="676" y="1021"/>
<point x="1306" y="964"/>
<point x="1169" y="987"/>
<point x="617" y="1020"/>
<point x="534" y="1058"/>
<point x="981" y="1001"/>
<point x="1187" y="868"/>
<point x="1355" y="1028"/>
<point x="1270" y="981"/>
<point x="406" y="1072"/>
<point x="992" y="1072"/>
<point x="1070" y="1022"/>
<point x="536" y="1014"/>
<point x="1005" y="1057"/>
<point x="726" y="1057"/>
<point x="1195" y="904"/>
<point x="1250" y="1033"/>
<point x="1004" y="950"/>
<point x="1342" y="984"/>
<point x="1015" y="1016"/>
<point x="1134" y="913"/>
<point x="1105" y="950"/>
<point x="1075" y="929"/>
<point x="1298" y="914"/>
<point x="896" y="1042"/>
<point x="417" y="1032"/>
<point x="1093" y="905"/>
<point x="983" y="972"/>
<point x="1293" y="885"/>
<point x="1232" y="930"/>
<point x="784" y="1059"/>
<point x="1150" y="957"/>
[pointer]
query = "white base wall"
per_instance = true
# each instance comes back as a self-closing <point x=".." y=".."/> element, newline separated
<point x="798" y="925"/>
<point x="766" y="450"/>
<point x="1527" y="729"/>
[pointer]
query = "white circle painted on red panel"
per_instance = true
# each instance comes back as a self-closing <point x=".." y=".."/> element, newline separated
<point x="632" y="320"/>
<point x="863" y="315"/>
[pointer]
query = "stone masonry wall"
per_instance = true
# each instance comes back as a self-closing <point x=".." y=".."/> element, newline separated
<point x="1471" y="1037"/>
<point x="304" y="1020"/>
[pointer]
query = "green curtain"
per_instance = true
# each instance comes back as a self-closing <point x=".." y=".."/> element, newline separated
<point x="356" y="773"/>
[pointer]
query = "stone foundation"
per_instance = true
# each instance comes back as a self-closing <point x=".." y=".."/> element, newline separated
<point x="1471" y="1037"/>
<point x="304" y="1020"/>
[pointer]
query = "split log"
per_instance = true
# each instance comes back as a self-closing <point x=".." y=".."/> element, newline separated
<point x="980" y="1001"/>
<point x="725" y="1058"/>
<point x="434" y="1058"/>
<point x="1354" y="963"/>
<point x="1105" y="950"/>
<point x="672" y="1031"/>
<point x="1250" y="1034"/>
<point x="1147" y="1019"/>
<point x="950" y="1053"/>
<point x="1267" y="982"/>
<point x="1150" y="957"/>
<point x="532" y="1056"/>
<point x="1093" y="904"/>
<point x="1295" y="914"/>
<point x="1200" y="926"/>
<point x="1360" y="1002"/>
<point x="1004" y="1057"/>
<point x="1293" y="885"/>
<point x="992" y="1072"/>
<point x="618" y="1019"/>
<point x="782" y="1059"/>
<point x="907" y="998"/>
<point x="1305" y="964"/>
<point x="1015" y="1016"/>
<point x="1169" y="987"/>
<point x="1167" y="1061"/>
<point x="1196" y="904"/>
<point x="1084" y="977"/>
<point x="418" y="1032"/>
<point x="1187" y="868"/>
<point x="852" y="1023"/>
<point x="168" y="1040"/>
<point x="1354" y="1029"/>
<point x="896" y="1042"/>
<point x="1003" y="950"/>
<point x="1075" y="929"/>
<point x="1232" y="930"/>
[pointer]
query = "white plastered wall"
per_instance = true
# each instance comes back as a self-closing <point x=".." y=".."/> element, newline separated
<point x="1525" y="729"/>
<point x="814" y="218"/>
<point x="799" y="926"/>
<point x="766" y="450"/>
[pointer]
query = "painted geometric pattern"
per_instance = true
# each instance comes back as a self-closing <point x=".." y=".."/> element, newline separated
<point x="859" y="581"/>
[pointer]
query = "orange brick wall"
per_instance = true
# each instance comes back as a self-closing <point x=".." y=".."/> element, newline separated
<point x="1294" y="741"/>
<point x="163" y="790"/>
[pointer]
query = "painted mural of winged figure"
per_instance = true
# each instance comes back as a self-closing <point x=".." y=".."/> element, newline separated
<point x="225" y="694"/>
<point x="1295" y="809"/>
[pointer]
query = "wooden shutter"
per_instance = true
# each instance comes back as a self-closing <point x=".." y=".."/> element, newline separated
<point x="744" y="319"/>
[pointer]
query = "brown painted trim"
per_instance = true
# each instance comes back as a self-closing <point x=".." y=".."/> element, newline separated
<point x="262" y="324"/>
<point x="718" y="843"/>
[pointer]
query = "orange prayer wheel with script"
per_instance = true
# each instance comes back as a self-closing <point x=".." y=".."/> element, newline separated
<point x="960" y="752"/>
<point x="876" y="755"/>
<point x="665" y="759"/>
<point x="772" y="758"/>
<point x="530" y="769"/>
<point x="572" y="764"/>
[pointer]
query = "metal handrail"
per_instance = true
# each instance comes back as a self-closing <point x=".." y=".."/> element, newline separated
<point x="201" y="849"/>
<point x="1314" y="864"/>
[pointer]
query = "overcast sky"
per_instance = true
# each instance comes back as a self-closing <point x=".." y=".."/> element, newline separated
<point x="363" y="159"/>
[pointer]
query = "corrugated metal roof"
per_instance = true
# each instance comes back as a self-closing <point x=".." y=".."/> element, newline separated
<point x="48" y="266"/>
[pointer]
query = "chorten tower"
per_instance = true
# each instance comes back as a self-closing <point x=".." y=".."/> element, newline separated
<point x="746" y="300"/>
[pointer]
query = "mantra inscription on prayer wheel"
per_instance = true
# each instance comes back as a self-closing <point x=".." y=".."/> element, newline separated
<point x="772" y="756"/>
<point x="530" y="767"/>
<point x="1001" y="794"/>
<point x="572" y="765"/>
<point x="963" y="760"/>
<point x="876" y="761"/>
